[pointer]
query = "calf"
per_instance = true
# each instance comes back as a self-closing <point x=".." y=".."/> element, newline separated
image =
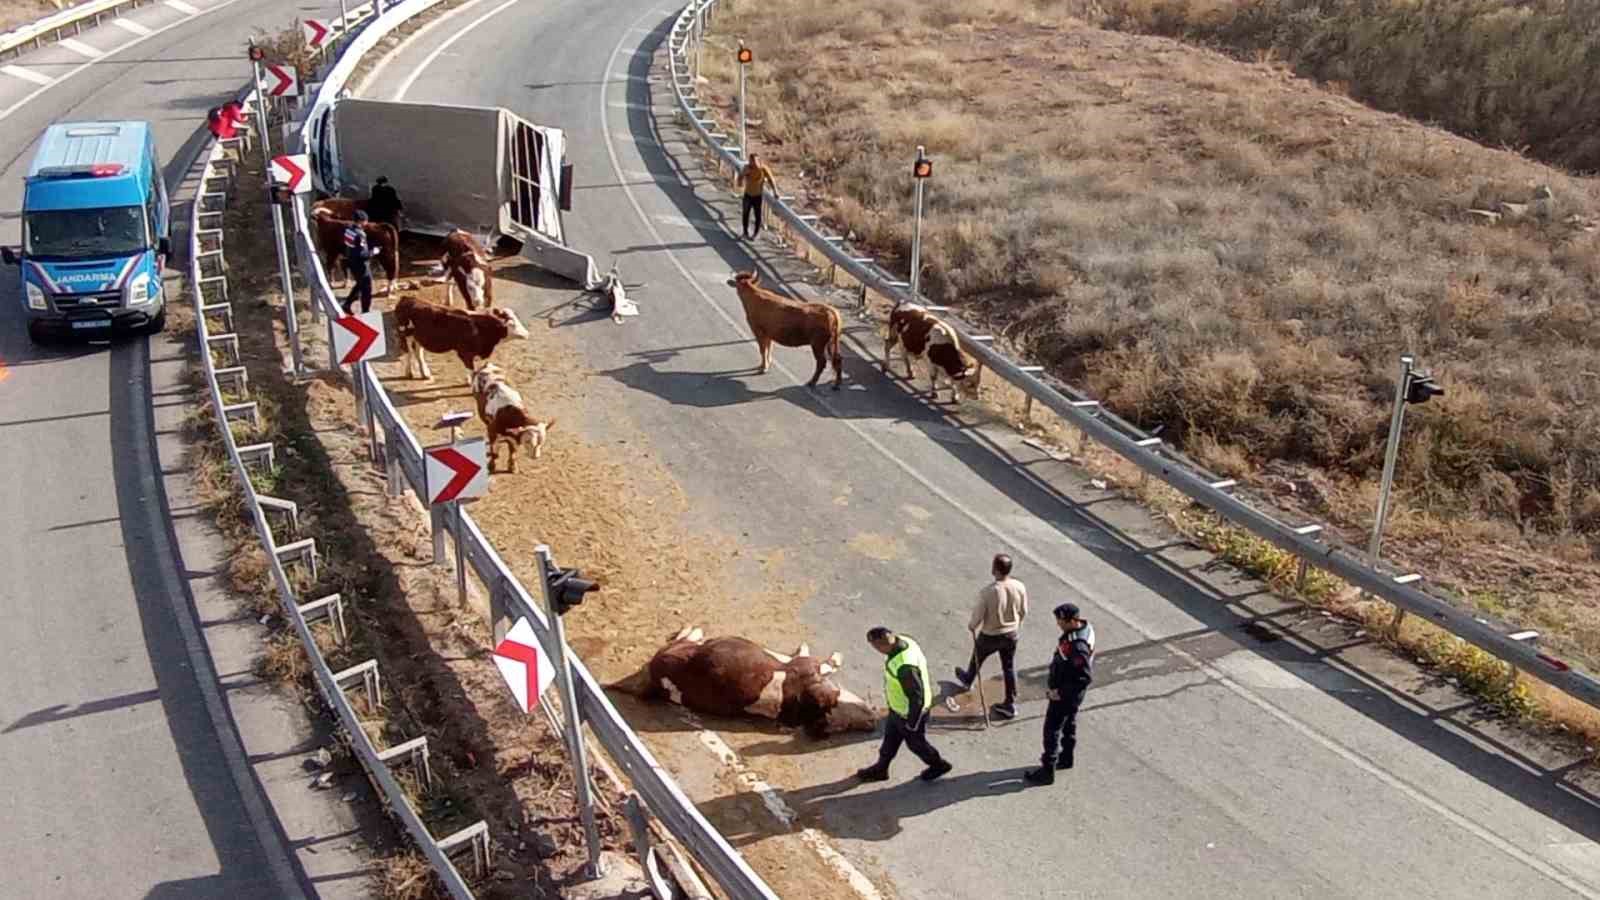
<point x="466" y="268"/>
<point x="731" y="676"/>
<point x="382" y="237"/>
<point x="439" y="329"/>
<point x="505" y="418"/>
<point x="920" y="334"/>
<point x="790" y="323"/>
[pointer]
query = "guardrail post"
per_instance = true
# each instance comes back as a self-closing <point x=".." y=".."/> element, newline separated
<point x="291" y="322"/>
<point x="391" y="460"/>
<point x="569" y="703"/>
<point x="458" y="520"/>
<point x="436" y="519"/>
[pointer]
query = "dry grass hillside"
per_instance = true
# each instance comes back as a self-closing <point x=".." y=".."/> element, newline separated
<point x="20" y="12"/>
<point x="1230" y="252"/>
<point x="1508" y="74"/>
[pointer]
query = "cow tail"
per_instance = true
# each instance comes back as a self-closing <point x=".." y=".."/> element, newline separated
<point x="836" y="330"/>
<point x="392" y="257"/>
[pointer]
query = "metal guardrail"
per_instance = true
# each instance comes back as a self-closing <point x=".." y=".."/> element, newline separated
<point x="392" y="441"/>
<point x="1516" y="648"/>
<point x="330" y="684"/>
<point x="34" y="34"/>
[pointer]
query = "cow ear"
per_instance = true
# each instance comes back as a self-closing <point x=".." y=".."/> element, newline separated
<point x="827" y="669"/>
<point x="550" y="424"/>
<point x="836" y="660"/>
<point x="755" y="277"/>
<point x="802" y="650"/>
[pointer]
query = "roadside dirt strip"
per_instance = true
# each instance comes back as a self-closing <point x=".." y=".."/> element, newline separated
<point x="489" y="760"/>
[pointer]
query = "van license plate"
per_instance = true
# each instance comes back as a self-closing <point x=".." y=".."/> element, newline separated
<point x="92" y="323"/>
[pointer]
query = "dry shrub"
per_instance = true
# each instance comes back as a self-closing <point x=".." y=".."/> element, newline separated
<point x="284" y="660"/>
<point x="404" y="876"/>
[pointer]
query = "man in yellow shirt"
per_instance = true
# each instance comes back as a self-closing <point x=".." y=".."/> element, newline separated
<point x="908" y="688"/>
<point x="755" y="176"/>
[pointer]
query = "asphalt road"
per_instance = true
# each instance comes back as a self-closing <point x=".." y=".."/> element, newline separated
<point x="1210" y="765"/>
<point x="123" y="768"/>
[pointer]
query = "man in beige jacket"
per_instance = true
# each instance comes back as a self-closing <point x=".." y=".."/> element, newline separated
<point x="996" y="625"/>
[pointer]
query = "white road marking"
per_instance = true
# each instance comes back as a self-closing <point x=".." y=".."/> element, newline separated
<point x="130" y="25"/>
<point x="182" y="7"/>
<point x="80" y="48"/>
<point x="47" y="84"/>
<point x="26" y="74"/>
<point x="1355" y="758"/>
<point x="781" y="810"/>
<point x="411" y="79"/>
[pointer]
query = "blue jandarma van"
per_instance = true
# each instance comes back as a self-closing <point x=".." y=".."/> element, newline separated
<point x="95" y="232"/>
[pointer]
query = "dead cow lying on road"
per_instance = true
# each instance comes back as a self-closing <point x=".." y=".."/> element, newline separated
<point x="505" y="418"/>
<point x="439" y="329"/>
<point x="790" y="323"/>
<point x="730" y="676"/>
<point x="466" y="268"/>
<point x="922" y="335"/>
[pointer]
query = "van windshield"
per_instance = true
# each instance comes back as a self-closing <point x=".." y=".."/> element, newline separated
<point x="115" y="231"/>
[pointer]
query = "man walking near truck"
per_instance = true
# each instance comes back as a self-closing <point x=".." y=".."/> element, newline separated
<point x="356" y="254"/>
<point x="996" y="625"/>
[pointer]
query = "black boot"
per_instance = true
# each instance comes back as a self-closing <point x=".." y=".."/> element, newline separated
<point x="936" y="770"/>
<point x="1041" y="776"/>
<point x="1064" y="762"/>
<point x="878" y="772"/>
<point x="1003" y="710"/>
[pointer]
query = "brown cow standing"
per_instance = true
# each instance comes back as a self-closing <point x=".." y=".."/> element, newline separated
<point x="339" y="207"/>
<point x="505" y="418"/>
<point x="466" y="268"/>
<point x="731" y="676"/>
<point x="922" y="335"/>
<point x="385" y="240"/>
<point x="790" y="323"/>
<point x="439" y="329"/>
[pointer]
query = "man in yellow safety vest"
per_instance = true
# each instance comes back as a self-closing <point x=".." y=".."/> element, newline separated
<point x="909" y="690"/>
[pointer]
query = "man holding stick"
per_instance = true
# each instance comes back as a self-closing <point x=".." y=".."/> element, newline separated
<point x="996" y="625"/>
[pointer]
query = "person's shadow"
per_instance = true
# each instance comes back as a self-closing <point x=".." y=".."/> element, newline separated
<point x="869" y="815"/>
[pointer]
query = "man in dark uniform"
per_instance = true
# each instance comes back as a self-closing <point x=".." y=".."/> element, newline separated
<point x="384" y="203"/>
<point x="356" y="254"/>
<point x="906" y="687"/>
<point x="1071" y="670"/>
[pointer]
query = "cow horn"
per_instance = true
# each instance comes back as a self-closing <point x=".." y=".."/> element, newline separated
<point x="697" y="635"/>
<point x="803" y="650"/>
<point x="836" y="660"/>
<point x="683" y="633"/>
<point x="827" y="669"/>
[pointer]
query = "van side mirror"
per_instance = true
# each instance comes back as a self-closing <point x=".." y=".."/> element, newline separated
<point x="9" y="255"/>
<point x="164" y="246"/>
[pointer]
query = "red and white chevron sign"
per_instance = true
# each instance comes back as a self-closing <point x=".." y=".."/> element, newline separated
<point x="316" y="33"/>
<point x="358" y="338"/>
<point x="290" y="171"/>
<point x="524" y="665"/>
<point x="279" y="81"/>
<point x="457" y="471"/>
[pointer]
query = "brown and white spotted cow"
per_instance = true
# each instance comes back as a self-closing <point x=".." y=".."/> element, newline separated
<point x="472" y="336"/>
<point x="731" y="676"/>
<point x="919" y="333"/>
<point x="504" y="417"/>
<point x="466" y="269"/>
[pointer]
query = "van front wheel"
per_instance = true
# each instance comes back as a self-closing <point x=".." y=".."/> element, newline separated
<point x="158" y="324"/>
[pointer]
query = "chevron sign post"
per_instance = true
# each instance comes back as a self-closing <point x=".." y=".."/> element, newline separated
<point x="458" y="471"/>
<point x="524" y="665"/>
<point x="316" y="33"/>
<point x="279" y="81"/>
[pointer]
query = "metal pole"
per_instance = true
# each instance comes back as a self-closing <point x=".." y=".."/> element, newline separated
<point x="311" y="288"/>
<point x="569" y="702"/>
<point x="461" y="553"/>
<point x="744" y="146"/>
<point x="1391" y="454"/>
<point x="916" y="239"/>
<point x="291" y="322"/>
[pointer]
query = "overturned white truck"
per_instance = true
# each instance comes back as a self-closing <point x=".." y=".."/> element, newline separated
<point x="482" y="169"/>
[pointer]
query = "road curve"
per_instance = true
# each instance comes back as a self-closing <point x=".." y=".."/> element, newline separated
<point x="1211" y="765"/>
<point x="124" y="773"/>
